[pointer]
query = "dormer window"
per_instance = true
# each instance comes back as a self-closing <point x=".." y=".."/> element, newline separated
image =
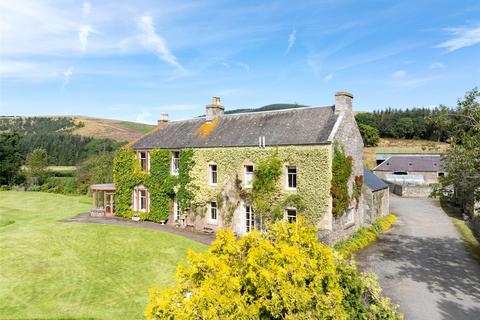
<point x="175" y="162"/>
<point x="143" y="157"/>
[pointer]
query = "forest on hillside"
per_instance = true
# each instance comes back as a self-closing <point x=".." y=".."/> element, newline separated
<point x="54" y="134"/>
<point x="415" y="123"/>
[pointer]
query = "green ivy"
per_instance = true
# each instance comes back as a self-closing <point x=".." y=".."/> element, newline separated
<point x="265" y="191"/>
<point x="341" y="172"/>
<point x="160" y="183"/>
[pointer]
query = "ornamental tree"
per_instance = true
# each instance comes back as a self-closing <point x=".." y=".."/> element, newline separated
<point x="284" y="273"/>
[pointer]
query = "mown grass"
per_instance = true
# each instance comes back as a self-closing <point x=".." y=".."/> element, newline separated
<point x="53" y="269"/>
<point x="465" y="231"/>
<point x="365" y="235"/>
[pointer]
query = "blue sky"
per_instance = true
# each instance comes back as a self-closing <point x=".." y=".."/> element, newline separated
<point x="134" y="60"/>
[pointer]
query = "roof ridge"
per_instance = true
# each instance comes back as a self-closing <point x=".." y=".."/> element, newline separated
<point x="258" y="112"/>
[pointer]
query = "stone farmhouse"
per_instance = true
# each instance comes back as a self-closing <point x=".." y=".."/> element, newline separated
<point x="220" y="153"/>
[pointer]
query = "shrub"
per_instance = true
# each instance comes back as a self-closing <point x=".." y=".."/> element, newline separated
<point x="62" y="185"/>
<point x="370" y="135"/>
<point x="365" y="235"/>
<point x="284" y="273"/>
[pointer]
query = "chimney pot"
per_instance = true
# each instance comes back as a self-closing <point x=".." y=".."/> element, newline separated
<point x="343" y="101"/>
<point x="163" y="119"/>
<point x="214" y="110"/>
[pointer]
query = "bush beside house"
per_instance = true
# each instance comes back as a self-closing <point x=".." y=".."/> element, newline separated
<point x="284" y="273"/>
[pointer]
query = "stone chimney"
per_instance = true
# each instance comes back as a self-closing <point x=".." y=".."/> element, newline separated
<point x="214" y="110"/>
<point x="343" y="101"/>
<point x="163" y="119"/>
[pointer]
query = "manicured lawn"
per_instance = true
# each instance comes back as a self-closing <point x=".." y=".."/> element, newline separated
<point x="53" y="269"/>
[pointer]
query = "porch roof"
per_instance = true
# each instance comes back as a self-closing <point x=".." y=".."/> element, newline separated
<point x="103" y="186"/>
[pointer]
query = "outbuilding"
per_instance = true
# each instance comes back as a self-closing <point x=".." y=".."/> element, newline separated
<point x="376" y="197"/>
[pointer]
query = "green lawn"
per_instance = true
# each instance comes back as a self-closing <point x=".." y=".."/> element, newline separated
<point x="53" y="269"/>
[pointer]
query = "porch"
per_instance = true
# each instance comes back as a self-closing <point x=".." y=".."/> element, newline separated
<point x="103" y="196"/>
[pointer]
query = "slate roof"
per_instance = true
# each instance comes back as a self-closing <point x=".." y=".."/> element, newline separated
<point x="299" y="126"/>
<point x="373" y="182"/>
<point x="427" y="163"/>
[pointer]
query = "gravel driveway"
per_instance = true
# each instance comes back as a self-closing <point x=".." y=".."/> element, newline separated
<point x="423" y="264"/>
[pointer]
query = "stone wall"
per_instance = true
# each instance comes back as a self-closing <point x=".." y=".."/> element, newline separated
<point x="410" y="191"/>
<point x="376" y="204"/>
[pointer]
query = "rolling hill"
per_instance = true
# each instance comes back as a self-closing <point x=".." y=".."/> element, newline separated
<point x="112" y="129"/>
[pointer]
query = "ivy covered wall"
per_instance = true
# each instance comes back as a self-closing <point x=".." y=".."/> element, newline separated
<point x="313" y="178"/>
<point x="161" y="185"/>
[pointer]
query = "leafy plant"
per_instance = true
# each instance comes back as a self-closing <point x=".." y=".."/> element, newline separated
<point x="341" y="172"/>
<point x="370" y="135"/>
<point x="284" y="273"/>
<point x="365" y="235"/>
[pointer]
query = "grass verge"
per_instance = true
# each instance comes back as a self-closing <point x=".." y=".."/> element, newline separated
<point x="463" y="228"/>
<point x="365" y="235"/>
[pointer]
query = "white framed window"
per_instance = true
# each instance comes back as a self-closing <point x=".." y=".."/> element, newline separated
<point x="213" y="211"/>
<point x="144" y="158"/>
<point x="176" y="210"/>
<point x="291" y="215"/>
<point x="175" y="162"/>
<point x="248" y="176"/>
<point x="291" y="178"/>
<point x="349" y="216"/>
<point x="140" y="199"/>
<point x="212" y="174"/>
<point x="249" y="218"/>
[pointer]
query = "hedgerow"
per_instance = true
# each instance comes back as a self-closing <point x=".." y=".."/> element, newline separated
<point x="283" y="273"/>
<point x="365" y="235"/>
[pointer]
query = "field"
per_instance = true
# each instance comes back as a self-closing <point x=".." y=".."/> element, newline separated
<point x="56" y="270"/>
<point x="402" y="146"/>
<point x="113" y="129"/>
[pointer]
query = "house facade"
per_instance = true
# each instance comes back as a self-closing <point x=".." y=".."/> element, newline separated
<point x="199" y="173"/>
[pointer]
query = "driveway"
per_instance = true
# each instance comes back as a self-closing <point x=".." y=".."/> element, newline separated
<point x="423" y="264"/>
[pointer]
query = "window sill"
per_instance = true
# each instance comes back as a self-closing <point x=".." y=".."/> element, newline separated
<point x="349" y="225"/>
<point x="290" y="189"/>
<point x="212" y="185"/>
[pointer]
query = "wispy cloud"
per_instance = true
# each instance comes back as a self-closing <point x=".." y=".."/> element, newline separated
<point x="244" y="65"/>
<point x="86" y="8"/>
<point x="83" y="34"/>
<point x="463" y="37"/>
<point x="436" y="65"/>
<point x="226" y="65"/>
<point x="328" y="77"/>
<point x="399" y="74"/>
<point x="66" y="78"/>
<point x="415" y="82"/>
<point x="153" y="41"/>
<point x="292" y="38"/>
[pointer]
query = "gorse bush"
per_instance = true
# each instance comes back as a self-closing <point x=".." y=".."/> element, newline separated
<point x="284" y="273"/>
<point x="365" y="235"/>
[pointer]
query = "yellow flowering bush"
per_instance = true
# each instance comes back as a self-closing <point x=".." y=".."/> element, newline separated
<point x="284" y="273"/>
<point x="365" y="235"/>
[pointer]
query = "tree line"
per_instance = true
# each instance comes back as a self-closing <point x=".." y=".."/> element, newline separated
<point x="28" y="146"/>
<point x="416" y="123"/>
<point x="55" y="136"/>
